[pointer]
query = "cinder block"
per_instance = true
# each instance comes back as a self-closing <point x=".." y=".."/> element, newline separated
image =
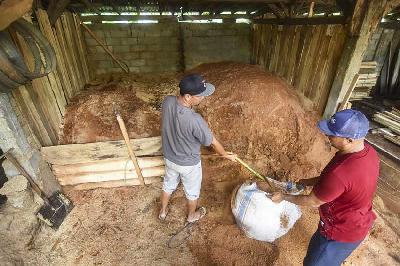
<point x="121" y="48"/>
<point x="104" y="64"/>
<point x="148" y="55"/>
<point x="120" y="33"/>
<point x="129" y="41"/>
<point x="113" y="41"/>
<point x="137" y="48"/>
<point x="137" y="63"/>
<point x="91" y="42"/>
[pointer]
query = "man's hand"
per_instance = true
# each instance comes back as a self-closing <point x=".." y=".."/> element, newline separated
<point x="277" y="197"/>
<point x="230" y="156"/>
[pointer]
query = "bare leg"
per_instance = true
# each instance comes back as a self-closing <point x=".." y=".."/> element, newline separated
<point x="192" y="206"/>
<point x="164" y="202"/>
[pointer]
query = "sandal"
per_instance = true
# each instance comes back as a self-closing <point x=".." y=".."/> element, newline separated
<point x="163" y="216"/>
<point x="202" y="211"/>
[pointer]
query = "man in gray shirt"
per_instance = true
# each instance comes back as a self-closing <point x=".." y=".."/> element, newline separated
<point x="183" y="133"/>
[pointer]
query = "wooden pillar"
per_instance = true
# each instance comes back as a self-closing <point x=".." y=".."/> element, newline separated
<point x="366" y="16"/>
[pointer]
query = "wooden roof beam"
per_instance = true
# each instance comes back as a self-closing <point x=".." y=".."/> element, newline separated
<point x="302" y="21"/>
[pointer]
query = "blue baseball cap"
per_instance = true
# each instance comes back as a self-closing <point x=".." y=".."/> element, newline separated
<point x="194" y="84"/>
<point x="348" y="123"/>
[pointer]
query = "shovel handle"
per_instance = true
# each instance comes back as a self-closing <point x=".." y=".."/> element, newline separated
<point x="254" y="172"/>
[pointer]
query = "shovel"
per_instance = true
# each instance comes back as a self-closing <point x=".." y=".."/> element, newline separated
<point x="290" y="187"/>
<point x="55" y="208"/>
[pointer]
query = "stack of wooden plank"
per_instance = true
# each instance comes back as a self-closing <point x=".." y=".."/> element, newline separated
<point x="105" y="164"/>
<point x="367" y="79"/>
<point x="391" y="120"/>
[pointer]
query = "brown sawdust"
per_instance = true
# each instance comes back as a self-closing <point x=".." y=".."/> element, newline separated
<point x="254" y="114"/>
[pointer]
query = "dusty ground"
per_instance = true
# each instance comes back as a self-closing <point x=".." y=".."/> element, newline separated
<point x="120" y="226"/>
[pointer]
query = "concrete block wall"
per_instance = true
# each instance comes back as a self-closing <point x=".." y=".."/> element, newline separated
<point x="157" y="47"/>
<point x="205" y="43"/>
<point x="143" y="47"/>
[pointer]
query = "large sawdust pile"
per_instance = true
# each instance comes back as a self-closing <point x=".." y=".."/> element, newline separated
<point x="260" y="117"/>
<point x="90" y="115"/>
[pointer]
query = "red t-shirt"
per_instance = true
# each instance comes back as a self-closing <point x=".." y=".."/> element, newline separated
<point x="347" y="185"/>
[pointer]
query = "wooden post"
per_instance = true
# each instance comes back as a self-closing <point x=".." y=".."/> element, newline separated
<point x="130" y="150"/>
<point x="366" y="16"/>
<point x="346" y="98"/>
<point x="311" y="12"/>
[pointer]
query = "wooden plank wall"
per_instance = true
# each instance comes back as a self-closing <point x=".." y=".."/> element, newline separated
<point x="379" y="45"/>
<point x="306" y="56"/>
<point x="43" y="101"/>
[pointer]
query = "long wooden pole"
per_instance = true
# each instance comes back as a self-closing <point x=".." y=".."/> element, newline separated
<point x="346" y="98"/>
<point x="122" y="66"/>
<point x="130" y="150"/>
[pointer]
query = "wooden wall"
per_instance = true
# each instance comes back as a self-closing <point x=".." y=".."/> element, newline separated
<point x="42" y="102"/>
<point x="306" y="56"/>
<point x="379" y="44"/>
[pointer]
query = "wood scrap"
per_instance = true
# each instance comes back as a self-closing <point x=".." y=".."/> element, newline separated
<point x="107" y="165"/>
<point x="111" y="184"/>
<point x="98" y="151"/>
<point x="109" y="176"/>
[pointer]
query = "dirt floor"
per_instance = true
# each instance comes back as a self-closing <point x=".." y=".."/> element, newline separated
<point x="254" y="114"/>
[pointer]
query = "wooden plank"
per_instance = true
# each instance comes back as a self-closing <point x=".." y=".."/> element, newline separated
<point x="24" y="102"/>
<point x="70" y="45"/>
<point x="302" y="21"/>
<point x="107" y="165"/>
<point x="336" y="46"/>
<point x="394" y="139"/>
<point x="93" y="152"/>
<point x="111" y="184"/>
<point x="321" y="67"/>
<point x="81" y="48"/>
<point x="348" y="93"/>
<point x="293" y="55"/>
<point x="68" y="59"/>
<point x="61" y="71"/>
<point x="65" y="180"/>
<point x="316" y="58"/>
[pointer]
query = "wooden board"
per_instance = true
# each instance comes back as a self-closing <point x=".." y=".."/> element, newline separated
<point x="111" y="184"/>
<point x="306" y="56"/>
<point x="94" y="152"/>
<point x="107" y="165"/>
<point x="108" y="176"/>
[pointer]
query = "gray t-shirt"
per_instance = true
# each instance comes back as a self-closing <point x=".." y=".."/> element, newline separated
<point x="183" y="132"/>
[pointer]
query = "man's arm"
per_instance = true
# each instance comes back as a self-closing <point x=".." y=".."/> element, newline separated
<point x="217" y="146"/>
<point x="303" y="200"/>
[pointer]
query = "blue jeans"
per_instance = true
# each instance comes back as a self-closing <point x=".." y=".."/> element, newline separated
<point x="324" y="252"/>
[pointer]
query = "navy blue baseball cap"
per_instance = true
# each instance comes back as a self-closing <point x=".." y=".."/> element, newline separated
<point x="348" y="123"/>
<point x="195" y="85"/>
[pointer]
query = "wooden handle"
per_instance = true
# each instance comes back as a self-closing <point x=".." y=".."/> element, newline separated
<point x="254" y="172"/>
<point x="130" y="150"/>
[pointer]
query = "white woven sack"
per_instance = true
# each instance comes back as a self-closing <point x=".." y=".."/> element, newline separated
<point x="259" y="217"/>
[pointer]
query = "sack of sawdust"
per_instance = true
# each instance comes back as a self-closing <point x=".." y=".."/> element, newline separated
<point x="259" y="217"/>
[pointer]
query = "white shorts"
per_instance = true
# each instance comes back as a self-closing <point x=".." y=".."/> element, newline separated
<point x="191" y="177"/>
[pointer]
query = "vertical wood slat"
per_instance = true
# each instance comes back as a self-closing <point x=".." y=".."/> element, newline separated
<point x="60" y="73"/>
<point x="43" y="101"/>
<point x="306" y="56"/>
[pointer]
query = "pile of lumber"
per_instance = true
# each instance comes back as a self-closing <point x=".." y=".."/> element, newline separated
<point x="386" y="114"/>
<point x="390" y="119"/>
<point x="366" y="81"/>
<point x="105" y="164"/>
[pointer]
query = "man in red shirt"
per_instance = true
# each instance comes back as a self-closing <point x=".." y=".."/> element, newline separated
<point x="343" y="192"/>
